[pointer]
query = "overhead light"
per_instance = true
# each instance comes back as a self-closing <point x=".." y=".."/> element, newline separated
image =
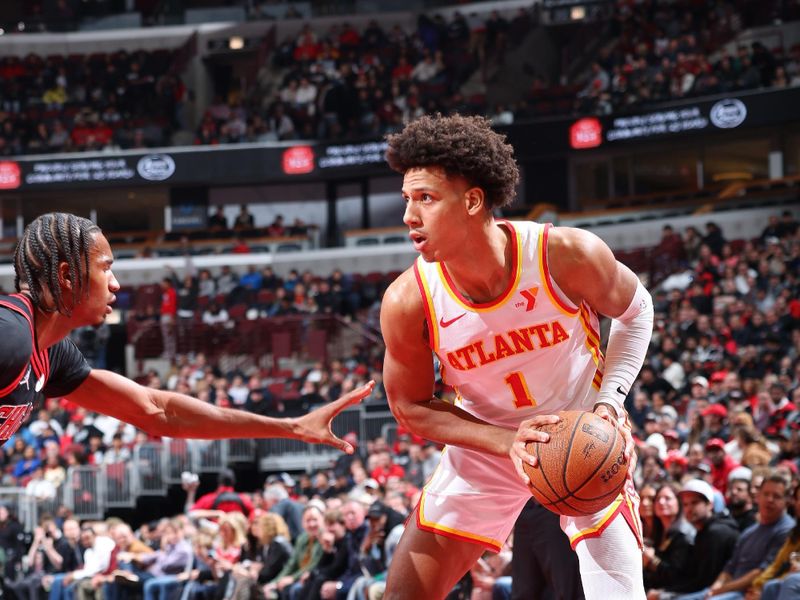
<point x="236" y="42"/>
<point x="577" y="13"/>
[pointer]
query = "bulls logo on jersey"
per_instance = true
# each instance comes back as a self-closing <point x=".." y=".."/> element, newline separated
<point x="11" y="417"/>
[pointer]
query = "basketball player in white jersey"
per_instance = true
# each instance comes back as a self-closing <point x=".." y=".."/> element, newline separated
<point x="511" y="312"/>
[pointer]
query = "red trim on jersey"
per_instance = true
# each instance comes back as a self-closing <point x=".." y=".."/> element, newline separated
<point x="13" y="385"/>
<point x="39" y="359"/>
<point x="425" y="305"/>
<point x="512" y="282"/>
<point x="593" y="533"/>
<point x="455" y="536"/>
<point x="586" y="313"/>
<point x="548" y="280"/>
<point x="632" y="519"/>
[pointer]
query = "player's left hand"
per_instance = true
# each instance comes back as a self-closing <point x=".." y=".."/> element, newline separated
<point x="604" y="412"/>
<point x="529" y="431"/>
<point x="315" y="427"/>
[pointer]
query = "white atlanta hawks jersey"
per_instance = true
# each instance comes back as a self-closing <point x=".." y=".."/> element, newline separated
<point x="531" y="351"/>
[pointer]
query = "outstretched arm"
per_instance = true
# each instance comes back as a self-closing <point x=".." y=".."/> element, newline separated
<point x="176" y="415"/>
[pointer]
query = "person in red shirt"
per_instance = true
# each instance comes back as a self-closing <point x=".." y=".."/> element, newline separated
<point x="402" y="71"/>
<point x="169" y="316"/>
<point x="223" y="499"/>
<point x="386" y="468"/>
<point x="240" y="246"/>
<point x="721" y="464"/>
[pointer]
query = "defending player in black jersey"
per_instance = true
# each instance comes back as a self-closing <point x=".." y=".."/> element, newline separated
<point x="64" y="281"/>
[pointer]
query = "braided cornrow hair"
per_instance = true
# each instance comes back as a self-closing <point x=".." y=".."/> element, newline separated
<point x="49" y="240"/>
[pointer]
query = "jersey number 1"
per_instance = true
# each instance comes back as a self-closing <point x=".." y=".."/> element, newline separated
<point x="522" y="396"/>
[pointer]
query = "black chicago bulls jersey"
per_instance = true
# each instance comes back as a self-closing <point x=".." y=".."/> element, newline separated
<point x="27" y="374"/>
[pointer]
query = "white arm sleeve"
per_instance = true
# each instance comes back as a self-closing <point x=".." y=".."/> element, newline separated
<point x="628" y="342"/>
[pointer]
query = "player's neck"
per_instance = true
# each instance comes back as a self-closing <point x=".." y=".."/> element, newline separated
<point x="50" y="328"/>
<point x="482" y="273"/>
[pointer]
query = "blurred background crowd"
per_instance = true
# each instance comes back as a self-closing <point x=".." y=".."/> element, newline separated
<point x="348" y="82"/>
<point x="715" y="408"/>
<point x="714" y="411"/>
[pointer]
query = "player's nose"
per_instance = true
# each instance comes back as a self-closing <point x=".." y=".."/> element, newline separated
<point x="410" y="218"/>
<point x="113" y="284"/>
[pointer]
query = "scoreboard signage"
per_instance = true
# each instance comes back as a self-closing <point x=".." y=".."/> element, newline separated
<point x="254" y="164"/>
<point x="720" y="114"/>
<point x="212" y="165"/>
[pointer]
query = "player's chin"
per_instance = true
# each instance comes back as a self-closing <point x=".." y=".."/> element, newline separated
<point x="430" y="255"/>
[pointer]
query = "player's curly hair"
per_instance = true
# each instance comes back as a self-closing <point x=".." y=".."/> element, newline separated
<point x="48" y="240"/>
<point x="465" y="146"/>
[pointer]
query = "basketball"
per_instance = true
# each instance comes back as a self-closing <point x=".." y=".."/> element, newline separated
<point x="582" y="468"/>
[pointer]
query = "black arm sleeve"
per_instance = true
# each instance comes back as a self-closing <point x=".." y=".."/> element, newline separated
<point x="68" y="369"/>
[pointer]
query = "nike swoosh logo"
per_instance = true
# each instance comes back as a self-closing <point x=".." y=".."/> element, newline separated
<point x="621" y="391"/>
<point x="444" y="323"/>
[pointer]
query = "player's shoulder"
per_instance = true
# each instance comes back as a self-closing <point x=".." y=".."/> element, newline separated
<point x="403" y="292"/>
<point x="16" y="344"/>
<point x="15" y="335"/>
<point x="402" y="298"/>
<point x="573" y="241"/>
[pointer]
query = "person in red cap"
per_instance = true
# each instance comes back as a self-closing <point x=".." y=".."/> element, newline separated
<point x="714" y="422"/>
<point x="721" y="464"/>
<point x="672" y="439"/>
<point x="676" y="465"/>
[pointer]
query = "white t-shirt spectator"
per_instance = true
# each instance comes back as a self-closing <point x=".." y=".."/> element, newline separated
<point x="220" y="317"/>
<point x="41" y="489"/>
<point x="206" y="287"/>
<point x="38" y="426"/>
<point x="95" y="559"/>
<point x="289" y="93"/>
<point x="306" y="94"/>
<point x="425" y="70"/>
<point x="238" y="393"/>
<point x="113" y="457"/>
<point x="503" y="116"/>
<point x="675" y="375"/>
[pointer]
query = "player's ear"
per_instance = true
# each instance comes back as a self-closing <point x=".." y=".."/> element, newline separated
<point x="475" y="200"/>
<point x="64" y="276"/>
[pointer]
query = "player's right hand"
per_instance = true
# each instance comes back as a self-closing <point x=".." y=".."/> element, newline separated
<point x="315" y="427"/>
<point x="529" y="431"/>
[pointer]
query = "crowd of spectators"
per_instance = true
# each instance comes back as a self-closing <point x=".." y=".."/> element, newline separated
<point x="346" y="83"/>
<point x="88" y="102"/>
<point x="269" y="295"/>
<point x="668" y="51"/>
<point x="225" y="301"/>
<point x="714" y="412"/>
<point x="244" y="226"/>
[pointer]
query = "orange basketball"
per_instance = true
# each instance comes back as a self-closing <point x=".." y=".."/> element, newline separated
<point x="582" y="468"/>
